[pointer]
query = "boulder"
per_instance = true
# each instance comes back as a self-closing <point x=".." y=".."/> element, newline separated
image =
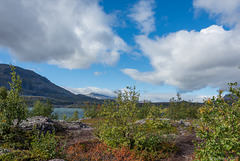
<point x="2" y="151"/>
<point x="45" y="124"/>
<point x="62" y="125"/>
<point x="40" y="123"/>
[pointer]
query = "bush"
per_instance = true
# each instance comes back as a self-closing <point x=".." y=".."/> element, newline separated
<point x="12" y="106"/>
<point x="34" y="146"/>
<point x="71" y="118"/>
<point x="180" y="109"/>
<point x="41" y="109"/>
<point x="219" y="127"/>
<point x="146" y="108"/>
<point x="92" y="110"/>
<point x="44" y="146"/>
<point x="3" y="93"/>
<point x="120" y="128"/>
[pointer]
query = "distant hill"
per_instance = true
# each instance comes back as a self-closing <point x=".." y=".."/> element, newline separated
<point x="36" y="86"/>
<point x="100" y="96"/>
<point x="229" y="97"/>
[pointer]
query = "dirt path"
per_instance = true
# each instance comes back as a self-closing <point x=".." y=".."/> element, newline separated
<point x="82" y="135"/>
<point x="186" y="147"/>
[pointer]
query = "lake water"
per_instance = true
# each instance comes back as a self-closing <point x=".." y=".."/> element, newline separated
<point x="68" y="111"/>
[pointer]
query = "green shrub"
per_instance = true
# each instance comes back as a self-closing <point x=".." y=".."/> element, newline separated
<point x="71" y="118"/>
<point x="146" y="108"/>
<point x="180" y="109"/>
<point x="3" y="92"/>
<point x="120" y="128"/>
<point x="12" y="106"/>
<point x="75" y="115"/>
<point x="41" y="109"/>
<point x="44" y="146"/>
<point x="91" y="110"/>
<point x="219" y="127"/>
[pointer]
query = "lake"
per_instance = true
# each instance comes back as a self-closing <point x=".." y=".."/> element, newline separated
<point x="67" y="111"/>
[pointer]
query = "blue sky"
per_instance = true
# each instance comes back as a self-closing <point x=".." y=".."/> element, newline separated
<point x="160" y="46"/>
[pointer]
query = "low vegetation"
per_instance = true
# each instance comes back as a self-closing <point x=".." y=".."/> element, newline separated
<point x="180" y="109"/>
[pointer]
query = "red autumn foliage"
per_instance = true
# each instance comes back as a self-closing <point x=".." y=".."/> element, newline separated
<point x="95" y="151"/>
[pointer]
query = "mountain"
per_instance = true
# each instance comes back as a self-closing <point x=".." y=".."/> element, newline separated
<point x="35" y="86"/>
<point x="100" y="96"/>
<point x="230" y="97"/>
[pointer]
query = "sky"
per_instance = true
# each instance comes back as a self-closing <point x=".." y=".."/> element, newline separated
<point x="160" y="46"/>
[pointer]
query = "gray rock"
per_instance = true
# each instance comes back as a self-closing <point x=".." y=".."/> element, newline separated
<point x="141" y="122"/>
<point x="44" y="125"/>
<point x="184" y="123"/>
<point x="2" y="151"/>
<point x="40" y="123"/>
<point x="62" y="125"/>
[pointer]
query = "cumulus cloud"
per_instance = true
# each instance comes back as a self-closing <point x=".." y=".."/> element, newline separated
<point x="227" y="10"/>
<point x="68" y="33"/>
<point x="191" y="60"/>
<point x="143" y="15"/>
<point x="89" y="90"/>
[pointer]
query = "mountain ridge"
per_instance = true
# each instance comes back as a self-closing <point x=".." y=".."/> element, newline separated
<point x="35" y="85"/>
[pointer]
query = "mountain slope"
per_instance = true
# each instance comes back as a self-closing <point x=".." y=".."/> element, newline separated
<point x="100" y="96"/>
<point x="34" y="84"/>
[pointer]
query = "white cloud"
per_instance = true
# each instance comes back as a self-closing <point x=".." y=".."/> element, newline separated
<point x="228" y="10"/>
<point x="195" y="60"/>
<point x="165" y="97"/>
<point x="98" y="73"/>
<point x="89" y="90"/>
<point x="143" y="15"/>
<point x="191" y="60"/>
<point x="68" y="33"/>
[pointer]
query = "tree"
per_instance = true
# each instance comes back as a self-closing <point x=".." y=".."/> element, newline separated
<point x="120" y="125"/>
<point x="12" y="107"/>
<point x="41" y="109"/>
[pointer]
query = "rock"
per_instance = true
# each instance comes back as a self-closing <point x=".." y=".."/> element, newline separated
<point x="62" y="125"/>
<point x="56" y="160"/>
<point x="43" y="124"/>
<point x="181" y="122"/>
<point x="187" y="124"/>
<point x="2" y="151"/>
<point x="141" y="122"/>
